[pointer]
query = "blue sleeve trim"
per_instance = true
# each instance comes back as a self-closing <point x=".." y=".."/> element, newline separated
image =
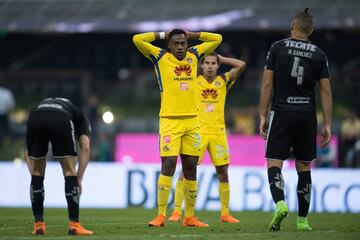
<point x="157" y="69"/>
<point x="195" y="52"/>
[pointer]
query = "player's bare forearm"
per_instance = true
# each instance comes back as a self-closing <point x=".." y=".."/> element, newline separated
<point x="266" y="92"/>
<point x="84" y="156"/>
<point x="157" y="35"/>
<point x="237" y="64"/>
<point x="326" y="101"/>
<point x="83" y="161"/>
<point x="161" y="35"/>
<point x="265" y="100"/>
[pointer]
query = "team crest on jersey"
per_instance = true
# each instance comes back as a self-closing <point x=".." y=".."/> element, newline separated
<point x="165" y="148"/>
<point x="217" y="84"/>
<point x="166" y="139"/>
<point x="189" y="60"/>
<point x="210" y="93"/>
<point x="182" y="69"/>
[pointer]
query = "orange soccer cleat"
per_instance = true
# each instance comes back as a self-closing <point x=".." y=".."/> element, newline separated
<point x="75" y="228"/>
<point x="39" y="228"/>
<point x="175" y="216"/>
<point x="158" y="221"/>
<point x="227" y="218"/>
<point x="193" y="222"/>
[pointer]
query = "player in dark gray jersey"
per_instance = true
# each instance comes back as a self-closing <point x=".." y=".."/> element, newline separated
<point x="297" y="66"/>
<point x="293" y="67"/>
<point x="59" y="121"/>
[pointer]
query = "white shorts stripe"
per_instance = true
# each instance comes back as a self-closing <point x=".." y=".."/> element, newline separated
<point x="272" y="113"/>
<point x="36" y="158"/>
<point x="66" y="156"/>
<point x="73" y="134"/>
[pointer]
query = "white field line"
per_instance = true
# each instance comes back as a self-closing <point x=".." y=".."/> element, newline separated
<point x="166" y="235"/>
<point x="65" y="225"/>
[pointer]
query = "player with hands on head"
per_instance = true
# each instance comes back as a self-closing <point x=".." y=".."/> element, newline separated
<point x="212" y="89"/>
<point x="176" y="71"/>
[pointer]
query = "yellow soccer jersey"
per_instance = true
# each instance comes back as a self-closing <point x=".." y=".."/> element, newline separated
<point x="177" y="79"/>
<point x="211" y="99"/>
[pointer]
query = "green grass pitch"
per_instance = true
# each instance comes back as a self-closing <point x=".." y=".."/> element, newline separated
<point x="16" y="223"/>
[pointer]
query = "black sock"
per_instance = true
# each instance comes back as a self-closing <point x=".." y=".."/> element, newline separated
<point x="37" y="197"/>
<point x="72" y="193"/>
<point x="276" y="182"/>
<point x="304" y="192"/>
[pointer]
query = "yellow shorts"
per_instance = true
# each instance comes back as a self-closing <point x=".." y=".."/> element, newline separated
<point x="218" y="148"/>
<point x="179" y="135"/>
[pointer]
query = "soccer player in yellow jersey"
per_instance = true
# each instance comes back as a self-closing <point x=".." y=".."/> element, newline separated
<point x="176" y="71"/>
<point x="212" y="90"/>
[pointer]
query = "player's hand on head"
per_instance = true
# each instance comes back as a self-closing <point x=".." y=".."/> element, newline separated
<point x="220" y="58"/>
<point x="263" y="127"/>
<point x="167" y="35"/>
<point x="325" y="136"/>
<point x="191" y="35"/>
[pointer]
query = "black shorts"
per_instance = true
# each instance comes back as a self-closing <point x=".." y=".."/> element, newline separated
<point x="296" y="130"/>
<point x="50" y="126"/>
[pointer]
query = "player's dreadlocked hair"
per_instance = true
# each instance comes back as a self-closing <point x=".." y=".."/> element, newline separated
<point x="303" y="21"/>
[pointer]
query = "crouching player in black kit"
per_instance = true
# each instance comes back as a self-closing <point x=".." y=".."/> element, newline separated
<point x="59" y="121"/>
<point x="293" y="67"/>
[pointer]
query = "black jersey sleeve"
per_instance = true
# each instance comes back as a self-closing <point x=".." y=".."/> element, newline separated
<point x="82" y="125"/>
<point x="324" y="71"/>
<point x="271" y="57"/>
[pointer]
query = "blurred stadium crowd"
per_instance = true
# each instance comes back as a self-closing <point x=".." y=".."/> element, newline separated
<point x="103" y="72"/>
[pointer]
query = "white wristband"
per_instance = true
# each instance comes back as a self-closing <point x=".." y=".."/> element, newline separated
<point x="162" y="35"/>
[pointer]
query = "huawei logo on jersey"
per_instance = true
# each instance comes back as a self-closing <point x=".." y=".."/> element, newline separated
<point x="209" y="93"/>
<point x="180" y="69"/>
